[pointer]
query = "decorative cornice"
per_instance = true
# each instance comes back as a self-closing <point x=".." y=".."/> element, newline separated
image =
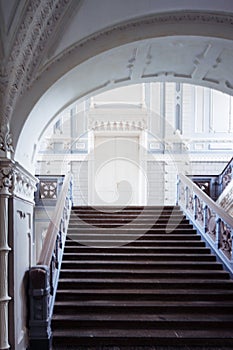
<point x="178" y="17"/>
<point x="116" y="125"/>
<point x="39" y="23"/>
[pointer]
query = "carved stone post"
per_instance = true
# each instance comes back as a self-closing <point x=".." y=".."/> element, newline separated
<point x="17" y="188"/>
<point x="5" y="184"/>
<point x="39" y="290"/>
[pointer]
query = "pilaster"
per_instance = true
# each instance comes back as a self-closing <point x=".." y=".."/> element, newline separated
<point x="15" y="182"/>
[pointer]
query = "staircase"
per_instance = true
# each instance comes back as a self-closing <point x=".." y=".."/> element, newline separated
<point x="140" y="278"/>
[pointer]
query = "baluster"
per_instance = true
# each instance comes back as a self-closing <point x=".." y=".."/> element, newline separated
<point x="218" y="232"/>
<point x="231" y="257"/>
<point x="57" y="251"/>
<point x="60" y="236"/>
<point x="51" y="274"/>
<point x="205" y="217"/>
<point x="186" y="197"/>
<point x="195" y="207"/>
<point x="178" y="183"/>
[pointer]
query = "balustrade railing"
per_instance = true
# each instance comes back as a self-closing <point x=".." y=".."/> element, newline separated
<point x="43" y="278"/>
<point x="226" y="176"/>
<point x="213" y="223"/>
<point x="214" y="185"/>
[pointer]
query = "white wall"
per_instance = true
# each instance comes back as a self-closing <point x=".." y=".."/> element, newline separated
<point x="194" y="149"/>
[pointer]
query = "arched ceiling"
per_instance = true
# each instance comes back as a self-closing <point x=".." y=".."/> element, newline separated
<point x="114" y="44"/>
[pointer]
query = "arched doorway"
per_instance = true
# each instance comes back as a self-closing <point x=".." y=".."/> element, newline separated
<point x="188" y="46"/>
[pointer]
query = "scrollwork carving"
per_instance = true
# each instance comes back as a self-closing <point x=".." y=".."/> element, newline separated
<point x="14" y="180"/>
<point x="190" y="202"/>
<point x="23" y="185"/>
<point x="211" y="224"/>
<point x="227" y="177"/>
<point x="226" y="239"/>
<point x="39" y="23"/>
<point x="200" y="211"/>
<point x="6" y="142"/>
<point x="6" y="180"/>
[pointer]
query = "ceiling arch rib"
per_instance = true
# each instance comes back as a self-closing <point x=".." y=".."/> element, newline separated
<point x="100" y="63"/>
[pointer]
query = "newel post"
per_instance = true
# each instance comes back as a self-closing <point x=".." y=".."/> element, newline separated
<point x="40" y="333"/>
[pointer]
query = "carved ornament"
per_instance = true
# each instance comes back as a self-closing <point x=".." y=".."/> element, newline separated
<point x="38" y="25"/>
<point x="14" y="180"/>
<point x="6" y="178"/>
<point x="6" y="142"/>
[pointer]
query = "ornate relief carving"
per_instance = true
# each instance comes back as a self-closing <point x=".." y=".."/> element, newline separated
<point x="14" y="180"/>
<point x="24" y="185"/>
<point x="39" y="23"/>
<point x="6" y="177"/>
<point x="6" y="139"/>
<point x="226" y="239"/>
<point x="48" y="189"/>
<point x="118" y="125"/>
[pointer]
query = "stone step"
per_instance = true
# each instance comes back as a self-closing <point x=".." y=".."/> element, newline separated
<point x="145" y="294"/>
<point x="116" y="256"/>
<point x="132" y="242"/>
<point x="140" y="277"/>
<point x="145" y="237"/>
<point x="105" y="338"/>
<point x="143" y="321"/>
<point x="127" y="249"/>
<point x="71" y="264"/>
<point x="148" y="306"/>
<point x="144" y="283"/>
<point x="134" y="273"/>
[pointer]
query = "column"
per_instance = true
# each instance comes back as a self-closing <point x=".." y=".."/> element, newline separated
<point x="5" y="184"/>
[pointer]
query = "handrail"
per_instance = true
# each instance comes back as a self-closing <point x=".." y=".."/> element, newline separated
<point x="216" y="183"/>
<point x="212" y="222"/>
<point x="226" y="167"/>
<point x="43" y="278"/>
<point x="208" y="201"/>
<point x="51" y="235"/>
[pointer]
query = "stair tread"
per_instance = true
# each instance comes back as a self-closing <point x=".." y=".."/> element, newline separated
<point x="150" y="303"/>
<point x="129" y="333"/>
<point x="147" y="281"/>
<point x="142" y="262"/>
<point x="135" y="317"/>
<point x="147" y="271"/>
<point x="146" y="291"/>
<point x="132" y="254"/>
<point x="144" y="248"/>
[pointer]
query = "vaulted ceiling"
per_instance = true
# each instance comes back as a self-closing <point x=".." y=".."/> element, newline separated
<point x="54" y="52"/>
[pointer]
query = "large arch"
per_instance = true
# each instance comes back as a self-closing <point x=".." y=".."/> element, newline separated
<point x="186" y="47"/>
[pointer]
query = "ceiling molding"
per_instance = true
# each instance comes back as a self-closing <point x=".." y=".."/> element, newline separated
<point x="58" y="33"/>
<point x="40" y="20"/>
<point x="148" y="25"/>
